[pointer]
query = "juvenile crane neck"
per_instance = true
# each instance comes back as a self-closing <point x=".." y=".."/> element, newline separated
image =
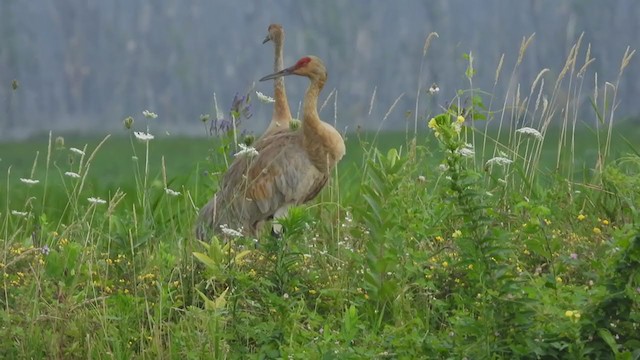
<point x="281" y="112"/>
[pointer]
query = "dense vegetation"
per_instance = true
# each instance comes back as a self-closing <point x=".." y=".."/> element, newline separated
<point x="517" y="240"/>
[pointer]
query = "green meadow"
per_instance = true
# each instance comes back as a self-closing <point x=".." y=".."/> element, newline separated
<point x="455" y="241"/>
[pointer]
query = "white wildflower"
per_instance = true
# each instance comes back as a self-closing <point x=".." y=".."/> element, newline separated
<point x="142" y="136"/>
<point x="246" y="150"/>
<point x="96" y="200"/>
<point x="149" y="114"/>
<point x="72" y="174"/>
<point x="264" y="98"/>
<point x="76" y="150"/>
<point x="434" y="89"/>
<point x="421" y="178"/>
<point x="19" y="213"/>
<point x="29" y="181"/>
<point x="457" y="126"/>
<point x="498" y="160"/>
<point x="228" y="231"/>
<point x="171" y="192"/>
<point x="443" y="167"/>
<point x="466" y="150"/>
<point x="530" y="132"/>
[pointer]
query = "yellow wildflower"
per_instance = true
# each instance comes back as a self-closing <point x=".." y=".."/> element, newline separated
<point x="559" y="280"/>
<point x="460" y="119"/>
<point x="547" y="221"/>
<point x="568" y="313"/>
<point x="433" y="124"/>
<point x="312" y="292"/>
<point x="597" y="231"/>
<point x="470" y="267"/>
<point x="445" y="264"/>
<point x="456" y="234"/>
<point x="439" y="238"/>
<point x="581" y="217"/>
<point x="605" y="222"/>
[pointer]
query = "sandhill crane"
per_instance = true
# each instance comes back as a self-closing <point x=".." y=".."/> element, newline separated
<point x="220" y="209"/>
<point x="292" y="167"/>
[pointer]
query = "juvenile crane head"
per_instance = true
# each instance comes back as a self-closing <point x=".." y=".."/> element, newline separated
<point x="274" y="33"/>
<point x="309" y="66"/>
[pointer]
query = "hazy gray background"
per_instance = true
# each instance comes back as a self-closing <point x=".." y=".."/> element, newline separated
<point x="84" y="65"/>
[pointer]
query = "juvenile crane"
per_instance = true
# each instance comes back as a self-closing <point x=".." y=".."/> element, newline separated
<point x="223" y="207"/>
<point x="292" y="167"/>
<point x="281" y="117"/>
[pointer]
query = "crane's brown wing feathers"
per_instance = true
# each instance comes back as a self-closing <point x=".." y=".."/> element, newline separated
<point x="283" y="174"/>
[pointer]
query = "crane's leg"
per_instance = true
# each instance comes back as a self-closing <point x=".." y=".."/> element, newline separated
<point x="276" y="228"/>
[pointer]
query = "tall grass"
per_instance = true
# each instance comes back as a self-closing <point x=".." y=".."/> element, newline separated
<point x="484" y="233"/>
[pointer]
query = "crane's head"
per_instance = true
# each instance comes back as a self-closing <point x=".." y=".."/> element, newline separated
<point x="275" y="33"/>
<point x="309" y="66"/>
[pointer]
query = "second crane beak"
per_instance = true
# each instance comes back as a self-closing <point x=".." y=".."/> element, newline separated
<point x="285" y="72"/>
<point x="266" y="39"/>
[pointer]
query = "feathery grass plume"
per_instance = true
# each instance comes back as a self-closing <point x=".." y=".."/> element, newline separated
<point x="329" y="97"/>
<point x="373" y="98"/>
<point x="587" y="61"/>
<point x="498" y="70"/>
<point x="537" y="104"/>
<point x="626" y="58"/>
<point x="523" y="47"/>
<point x="427" y="42"/>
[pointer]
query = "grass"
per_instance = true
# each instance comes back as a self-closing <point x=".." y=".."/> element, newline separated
<point x="418" y="248"/>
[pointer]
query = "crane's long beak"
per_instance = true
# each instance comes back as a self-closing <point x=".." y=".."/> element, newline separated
<point x="266" y="39"/>
<point x="284" y="72"/>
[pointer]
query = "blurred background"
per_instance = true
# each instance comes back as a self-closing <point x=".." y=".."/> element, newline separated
<point x="82" y="66"/>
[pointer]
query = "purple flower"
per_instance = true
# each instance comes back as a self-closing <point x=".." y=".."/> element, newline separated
<point x="574" y="256"/>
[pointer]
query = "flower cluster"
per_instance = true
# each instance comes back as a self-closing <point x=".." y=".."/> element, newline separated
<point x="246" y="150"/>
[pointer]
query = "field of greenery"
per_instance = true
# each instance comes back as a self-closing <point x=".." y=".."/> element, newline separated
<point x="492" y="228"/>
